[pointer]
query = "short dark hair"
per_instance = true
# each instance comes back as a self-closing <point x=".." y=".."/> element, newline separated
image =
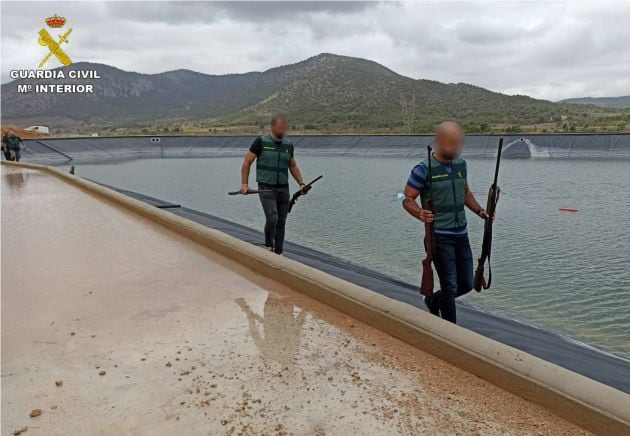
<point x="279" y="117"/>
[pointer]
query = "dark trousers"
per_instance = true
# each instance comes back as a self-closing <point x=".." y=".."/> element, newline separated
<point x="16" y="154"/>
<point x="276" y="207"/>
<point x="454" y="265"/>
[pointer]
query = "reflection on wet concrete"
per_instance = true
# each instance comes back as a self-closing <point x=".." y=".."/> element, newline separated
<point x="281" y="328"/>
<point x="15" y="179"/>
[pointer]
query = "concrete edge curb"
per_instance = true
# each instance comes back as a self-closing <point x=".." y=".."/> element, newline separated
<point x="578" y="399"/>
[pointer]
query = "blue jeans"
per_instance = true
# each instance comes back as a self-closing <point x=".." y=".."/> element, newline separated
<point x="16" y="153"/>
<point x="454" y="265"/>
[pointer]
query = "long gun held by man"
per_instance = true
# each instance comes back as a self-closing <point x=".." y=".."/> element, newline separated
<point x="426" y="281"/>
<point x="250" y="192"/>
<point x="486" y="248"/>
<point x="301" y="192"/>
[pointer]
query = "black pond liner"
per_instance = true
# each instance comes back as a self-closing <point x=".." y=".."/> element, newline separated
<point x="60" y="151"/>
<point x="598" y="365"/>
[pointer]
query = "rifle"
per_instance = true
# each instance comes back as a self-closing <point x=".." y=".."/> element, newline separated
<point x="493" y="199"/>
<point x="426" y="281"/>
<point x="251" y="191"/>
<point x="301" y="192"/>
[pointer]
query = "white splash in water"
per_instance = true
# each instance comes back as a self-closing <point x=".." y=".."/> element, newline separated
<point x="535" y="151"/>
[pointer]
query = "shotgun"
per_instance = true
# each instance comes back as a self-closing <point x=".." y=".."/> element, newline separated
<point x="426" y="281"/>
<point x="251" y="191"/>
<point x="493" y="199"/>
<point x="301" y="192"/>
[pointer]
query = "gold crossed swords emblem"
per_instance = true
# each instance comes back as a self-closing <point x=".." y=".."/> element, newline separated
<point x="54" y="46"/>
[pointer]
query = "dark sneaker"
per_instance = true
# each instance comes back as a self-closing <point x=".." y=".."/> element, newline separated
<point x="433" y="304"/>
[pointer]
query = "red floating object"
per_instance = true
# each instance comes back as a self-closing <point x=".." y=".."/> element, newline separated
<point x="568" y="209"/>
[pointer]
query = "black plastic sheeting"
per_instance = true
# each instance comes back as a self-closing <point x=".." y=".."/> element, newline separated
<point x="98" y="149"/>
<point x="575" y="356"/>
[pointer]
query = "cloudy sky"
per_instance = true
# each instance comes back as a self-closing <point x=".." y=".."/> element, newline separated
<point x="548" y="49"/>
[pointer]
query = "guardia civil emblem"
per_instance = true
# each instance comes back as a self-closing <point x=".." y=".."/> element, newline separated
<point x="54" y="46"/>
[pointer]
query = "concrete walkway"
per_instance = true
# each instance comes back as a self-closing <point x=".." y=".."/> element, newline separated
<point x="147" y="333"/>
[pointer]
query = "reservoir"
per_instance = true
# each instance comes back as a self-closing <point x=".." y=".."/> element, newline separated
<point x="566" y="272"/>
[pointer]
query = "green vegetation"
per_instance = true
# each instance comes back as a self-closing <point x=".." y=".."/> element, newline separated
<point x="323" y="94"/>
<point x="611" y="102"/>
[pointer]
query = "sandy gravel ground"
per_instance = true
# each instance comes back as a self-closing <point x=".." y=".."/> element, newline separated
<point x="112" y="325"/>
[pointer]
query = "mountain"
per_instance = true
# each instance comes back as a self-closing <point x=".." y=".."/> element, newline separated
<point x="326" y="93"/>
<point x="612" y="102"/>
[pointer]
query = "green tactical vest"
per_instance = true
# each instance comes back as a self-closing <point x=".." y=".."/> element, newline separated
<point x="272" y="166"/>
<point x="13" y="142"/>
<point x="448" y="193"/>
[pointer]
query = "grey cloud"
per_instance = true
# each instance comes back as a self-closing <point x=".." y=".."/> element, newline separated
<point x="545" y="49"/>
<point x="488" y="32"/>
<point x="251" y="11"/>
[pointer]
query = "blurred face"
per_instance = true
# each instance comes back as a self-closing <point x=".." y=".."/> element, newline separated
<point x="449" y="142"/>
<point x="279" y="128"/>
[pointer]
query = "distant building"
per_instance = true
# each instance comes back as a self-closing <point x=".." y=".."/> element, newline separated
<point x="39" y="129"/>
<point x="94" y="135"/>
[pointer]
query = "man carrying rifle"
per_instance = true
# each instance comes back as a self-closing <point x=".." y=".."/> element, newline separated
<point x="11" y="146"/>
<point x="274" y="158"/>
<point x="452" y="255"/>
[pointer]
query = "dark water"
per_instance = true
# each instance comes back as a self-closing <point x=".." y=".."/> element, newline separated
<point x="569" y="272"/>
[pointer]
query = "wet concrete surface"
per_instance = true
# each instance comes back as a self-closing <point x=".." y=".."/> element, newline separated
<point x="151" y="334"/>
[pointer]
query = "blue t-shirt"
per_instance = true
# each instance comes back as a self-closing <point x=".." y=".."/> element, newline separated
<point x="418" y="181"/>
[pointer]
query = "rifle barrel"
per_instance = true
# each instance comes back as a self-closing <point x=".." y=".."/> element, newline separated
<point x="429" y="150"/>
<point x="313" y="181"/>
<point x="430" y="177"/>
<point x="496" y="170"/>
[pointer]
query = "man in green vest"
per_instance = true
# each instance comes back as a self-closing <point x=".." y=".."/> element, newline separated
<point x="274" y="158"/>
<point x="11" y="146"/>
<point x="450" y="192"/>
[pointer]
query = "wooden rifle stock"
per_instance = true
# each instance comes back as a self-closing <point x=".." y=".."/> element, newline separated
<point x="486" y="248"/>
<point x="426" y="280"/>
